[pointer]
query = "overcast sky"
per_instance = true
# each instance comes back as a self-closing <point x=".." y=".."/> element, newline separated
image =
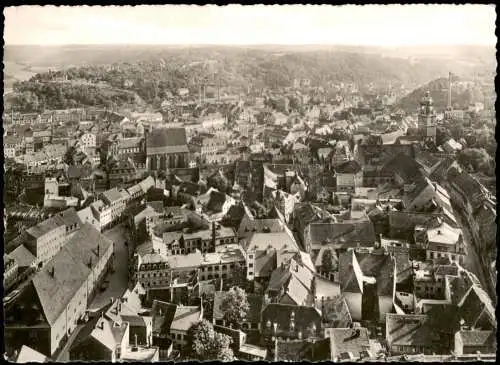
<point x="381" y="25"/>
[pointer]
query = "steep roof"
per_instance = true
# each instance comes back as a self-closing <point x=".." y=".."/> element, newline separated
<point x="22" y="256"/>
<point x="336" y="312"/>
<point x="163" y="314"/>
<point x="70" y="270"/>
<point x="377" y="266"/>
<point x="167" y="140"/>
<point x="27" y="354"/>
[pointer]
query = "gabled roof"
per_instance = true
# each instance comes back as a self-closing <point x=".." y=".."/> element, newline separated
<point x="477" y="310"/>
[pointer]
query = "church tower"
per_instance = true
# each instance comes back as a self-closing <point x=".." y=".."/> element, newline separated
<point x="427" y="119"/>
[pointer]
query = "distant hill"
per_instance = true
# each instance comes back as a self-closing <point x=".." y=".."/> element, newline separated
<point x="153" y="70"/>
<point x="439" y="91"/>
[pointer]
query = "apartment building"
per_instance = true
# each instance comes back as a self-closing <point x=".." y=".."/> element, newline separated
<point x="46" y="238"/>
<point x="48" y="309"/>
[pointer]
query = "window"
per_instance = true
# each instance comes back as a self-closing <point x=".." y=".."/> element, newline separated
<point x="250" y="265"/>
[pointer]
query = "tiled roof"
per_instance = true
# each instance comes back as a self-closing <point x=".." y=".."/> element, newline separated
<point x="275" y="241"/>
<point x="281" y="313"/>
<point x="345" y="234"/>
<point x="216" y="202"/>
<point x="477" y="309"/>
<point x="70" y="270"/>
<point x="264" y="263"/>
<point x="185" y="317"/>
<point x="300" y="350"/>
<point x="347" y="340"/>
<point x="378" y="266"/>
<point x="112" y="195"/>
<point x="478" y="338"/>
<point x="410" y="330"/>
<point x="336" y="312"/>
<point x="405" y="166"/>
<point x="167" y="140"/>
<point x="22" y="256"/>
<point x="297" y="291"/>
<point x="163" y="314"/>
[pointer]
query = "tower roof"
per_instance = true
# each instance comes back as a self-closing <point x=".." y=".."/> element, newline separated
<point x="427" y="99"/>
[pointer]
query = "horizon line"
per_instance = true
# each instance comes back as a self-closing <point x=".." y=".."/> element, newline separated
<point x="256" y="44"/>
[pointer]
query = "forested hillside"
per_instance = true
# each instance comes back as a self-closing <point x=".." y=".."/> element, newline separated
<point x="461" y="97"/>
<point x="153" y="72"/>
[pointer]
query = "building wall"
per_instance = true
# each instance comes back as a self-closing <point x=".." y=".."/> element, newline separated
<point x="385" y="304"/>
<point x="179" y="338"/>
<point x="354" y="301"/>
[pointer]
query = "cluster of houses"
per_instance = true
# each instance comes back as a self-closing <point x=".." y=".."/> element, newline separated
<point x="347" y="242"/>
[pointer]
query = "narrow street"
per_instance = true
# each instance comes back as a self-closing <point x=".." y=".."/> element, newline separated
<point x="472" y="261"/>
<point x="118" y="281"/>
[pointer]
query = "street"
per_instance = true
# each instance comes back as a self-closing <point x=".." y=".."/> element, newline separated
<point x="118" y="281"/>
<point x="471" y="260"/>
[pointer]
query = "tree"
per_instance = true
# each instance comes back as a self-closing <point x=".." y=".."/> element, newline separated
<point x="206" y="344"/>
<point x="477" y="158"/>
<point x="327" y="261"/>
<point x="235" y="306"/>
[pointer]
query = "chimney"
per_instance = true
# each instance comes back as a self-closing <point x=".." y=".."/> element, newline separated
<point x="52" y="271"/>
<point x="97" y="250"/>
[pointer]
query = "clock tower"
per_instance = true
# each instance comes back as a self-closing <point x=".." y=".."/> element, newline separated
<point x="427" y="119"/>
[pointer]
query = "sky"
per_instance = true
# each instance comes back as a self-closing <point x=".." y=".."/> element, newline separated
<point x="371" y="25"/>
